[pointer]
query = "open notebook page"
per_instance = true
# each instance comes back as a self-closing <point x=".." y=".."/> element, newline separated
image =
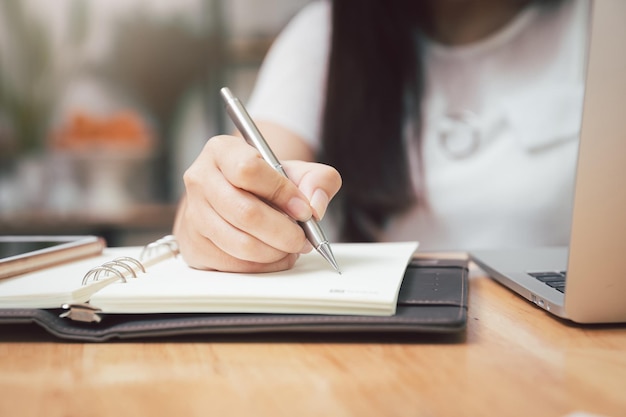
<point x="54" y="286"/>
<point x="369" y="284"/>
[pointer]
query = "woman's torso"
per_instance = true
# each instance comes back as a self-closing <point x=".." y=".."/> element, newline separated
<point x="500" y="126"/>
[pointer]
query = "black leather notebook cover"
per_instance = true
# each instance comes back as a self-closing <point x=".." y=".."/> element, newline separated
<point x="432" y="299"/>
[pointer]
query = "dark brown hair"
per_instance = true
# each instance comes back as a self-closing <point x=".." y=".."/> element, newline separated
<point x="374" y="88"/>
<point x="374" y="84"/>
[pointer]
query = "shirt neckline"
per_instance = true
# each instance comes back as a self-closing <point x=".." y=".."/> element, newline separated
<point x="501" y="37"/>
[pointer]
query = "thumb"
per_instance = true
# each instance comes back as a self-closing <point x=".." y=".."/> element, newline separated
<point x="318" y="182"/>
<point x="319" y="203"/>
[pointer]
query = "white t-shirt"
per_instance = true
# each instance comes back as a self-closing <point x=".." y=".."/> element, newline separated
<point x="501" y="119"/>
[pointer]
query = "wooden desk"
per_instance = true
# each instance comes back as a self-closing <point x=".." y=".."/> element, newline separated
<point x="514" y="361"/>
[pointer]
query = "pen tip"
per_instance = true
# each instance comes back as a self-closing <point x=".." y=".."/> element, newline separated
<point x="327" y="253"/>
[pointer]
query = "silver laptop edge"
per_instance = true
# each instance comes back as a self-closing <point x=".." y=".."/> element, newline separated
<point x="596" y="281"/>
<point x="510" y="268"/>
<point x="596" y="285"/>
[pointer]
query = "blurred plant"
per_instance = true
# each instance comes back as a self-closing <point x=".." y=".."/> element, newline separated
<point x="30" y="73"/>
<point x="158" y="61"/>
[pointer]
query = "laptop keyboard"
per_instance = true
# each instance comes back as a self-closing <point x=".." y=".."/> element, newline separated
<point x="554" y="279"/>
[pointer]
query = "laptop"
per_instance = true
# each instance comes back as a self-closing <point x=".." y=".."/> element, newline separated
<point x="586" y="281"/>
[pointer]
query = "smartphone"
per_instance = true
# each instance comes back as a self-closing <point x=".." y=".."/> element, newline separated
<point x="21" y="254"/>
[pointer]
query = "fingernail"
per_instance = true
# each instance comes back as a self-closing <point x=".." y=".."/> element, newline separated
<point x="319" y="202"/>
<point x="299" y="209"/>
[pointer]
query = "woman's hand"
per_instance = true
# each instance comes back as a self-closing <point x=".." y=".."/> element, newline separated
<point x="239" y="214"/>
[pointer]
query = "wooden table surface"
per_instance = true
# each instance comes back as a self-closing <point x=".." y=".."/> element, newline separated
<point x="513" y="360"/>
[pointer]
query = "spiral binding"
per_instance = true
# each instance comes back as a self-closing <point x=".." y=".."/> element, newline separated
<point x="152" y="250"/>
<point x="122" y="268"/>
<point x="125" y="266"/>
<point x="117" y="267"/>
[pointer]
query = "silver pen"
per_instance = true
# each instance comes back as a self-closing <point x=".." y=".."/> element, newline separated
<point x="242" y="120"/>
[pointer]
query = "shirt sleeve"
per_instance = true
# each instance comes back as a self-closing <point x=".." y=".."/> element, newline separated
<point x="291" y="83"/>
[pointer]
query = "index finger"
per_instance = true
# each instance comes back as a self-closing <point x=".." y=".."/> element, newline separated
<point x="250" y="172"/>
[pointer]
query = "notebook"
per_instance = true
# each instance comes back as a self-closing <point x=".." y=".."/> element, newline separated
<point x="123" y="280"/>
<point x="150" y="291"/>
<point x="586" y="281"/>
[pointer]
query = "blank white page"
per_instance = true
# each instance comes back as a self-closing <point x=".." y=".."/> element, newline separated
<point x="369" y="284"/>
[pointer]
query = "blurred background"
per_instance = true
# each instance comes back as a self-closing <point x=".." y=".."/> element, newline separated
<point x="104" y="104"/>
